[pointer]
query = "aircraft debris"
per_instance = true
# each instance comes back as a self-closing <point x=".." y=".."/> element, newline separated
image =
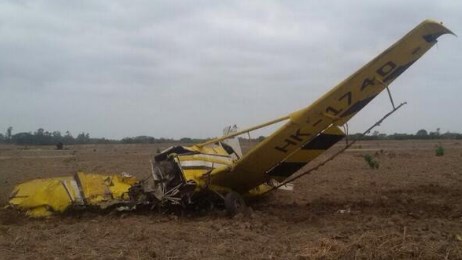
<point x="216" y="172"/>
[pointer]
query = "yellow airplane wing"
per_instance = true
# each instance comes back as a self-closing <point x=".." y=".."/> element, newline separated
<point x="286" y="147"/>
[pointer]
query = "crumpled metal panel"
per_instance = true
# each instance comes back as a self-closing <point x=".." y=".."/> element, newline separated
<point x="44" y="197"/>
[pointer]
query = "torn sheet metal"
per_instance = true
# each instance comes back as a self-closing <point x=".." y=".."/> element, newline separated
<point x="44" y="197"/>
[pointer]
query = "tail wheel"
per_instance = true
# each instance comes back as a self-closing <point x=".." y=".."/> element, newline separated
<point x="234" y="203"/>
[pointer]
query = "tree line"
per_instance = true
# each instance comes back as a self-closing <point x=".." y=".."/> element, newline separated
<point x="43" y="137"/>
<point x="422" y="134"/>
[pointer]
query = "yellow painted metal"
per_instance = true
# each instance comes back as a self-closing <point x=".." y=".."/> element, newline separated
<point x="195" y="166"/>
<point x="209" y="149"/>
<point x="103" y="190"/>
<point x="119" y="186"/>
<point x="342" y="102"/>
<point x="43" y="197"/>
<point x="259" y="190"/>
<point x="197" y="175"/>
<point x="94" y="188"/>
<point x="209" y="158"/>
<point x="305" y="155"/>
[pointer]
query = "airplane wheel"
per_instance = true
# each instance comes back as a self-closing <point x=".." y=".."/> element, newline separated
<point x="234" y="203"/>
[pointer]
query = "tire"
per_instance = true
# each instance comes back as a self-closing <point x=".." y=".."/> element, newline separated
<point x="234" y="203"/>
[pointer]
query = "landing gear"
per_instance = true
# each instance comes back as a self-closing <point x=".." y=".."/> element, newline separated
<point x="234" y="203"/>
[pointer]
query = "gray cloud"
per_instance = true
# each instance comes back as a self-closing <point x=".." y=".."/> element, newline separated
<point x="188" y="68"/>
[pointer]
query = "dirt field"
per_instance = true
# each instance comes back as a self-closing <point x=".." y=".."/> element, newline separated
<point x="411" y="207"/>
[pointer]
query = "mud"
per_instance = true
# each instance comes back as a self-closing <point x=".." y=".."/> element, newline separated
<point x="409" y="208"/>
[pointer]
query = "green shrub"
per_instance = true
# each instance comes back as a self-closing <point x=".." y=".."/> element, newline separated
<point x="374" y="164"/>
<point x="439" y="151"/>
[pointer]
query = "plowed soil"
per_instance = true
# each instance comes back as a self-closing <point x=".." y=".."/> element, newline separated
<point x="408" y="208"/>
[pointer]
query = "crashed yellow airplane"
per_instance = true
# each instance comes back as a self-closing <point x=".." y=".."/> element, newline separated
<point x="217" y="171"/>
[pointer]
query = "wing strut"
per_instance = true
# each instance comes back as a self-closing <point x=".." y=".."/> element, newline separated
<point x="348" y="145"/>
<point x="391" y="98"/>
<point x="248" y="130"/>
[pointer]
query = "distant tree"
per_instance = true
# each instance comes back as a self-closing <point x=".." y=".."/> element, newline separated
<point x="422" y="133"/>
<point x="449" y="135"/>
<point x="186" y="140"/>
<point x="68" y="138"/>
<point x="40" y="132"/>
<point x="23" y="138"/>
<point x="400" y="136"/>
<point x="9" y="133"/>
<point x="142" y="139"/>
<point x="42" y="137"/>
<point x="357" y="136"/>
<point x="83" y="138"/>
<point x="435" y="134"/>
<point x="374" y="135"/>
<point x="127" y="140"/>
<point x="57" y="135"/>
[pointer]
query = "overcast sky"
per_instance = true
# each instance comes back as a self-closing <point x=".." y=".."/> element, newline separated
<point x="188" y="68"/>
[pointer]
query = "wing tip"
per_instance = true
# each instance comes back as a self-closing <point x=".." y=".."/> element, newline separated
<point x="436" y="28"/>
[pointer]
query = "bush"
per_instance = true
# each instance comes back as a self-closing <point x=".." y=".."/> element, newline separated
<point x="374" y="164"/>
<point x="439" y="151"/>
